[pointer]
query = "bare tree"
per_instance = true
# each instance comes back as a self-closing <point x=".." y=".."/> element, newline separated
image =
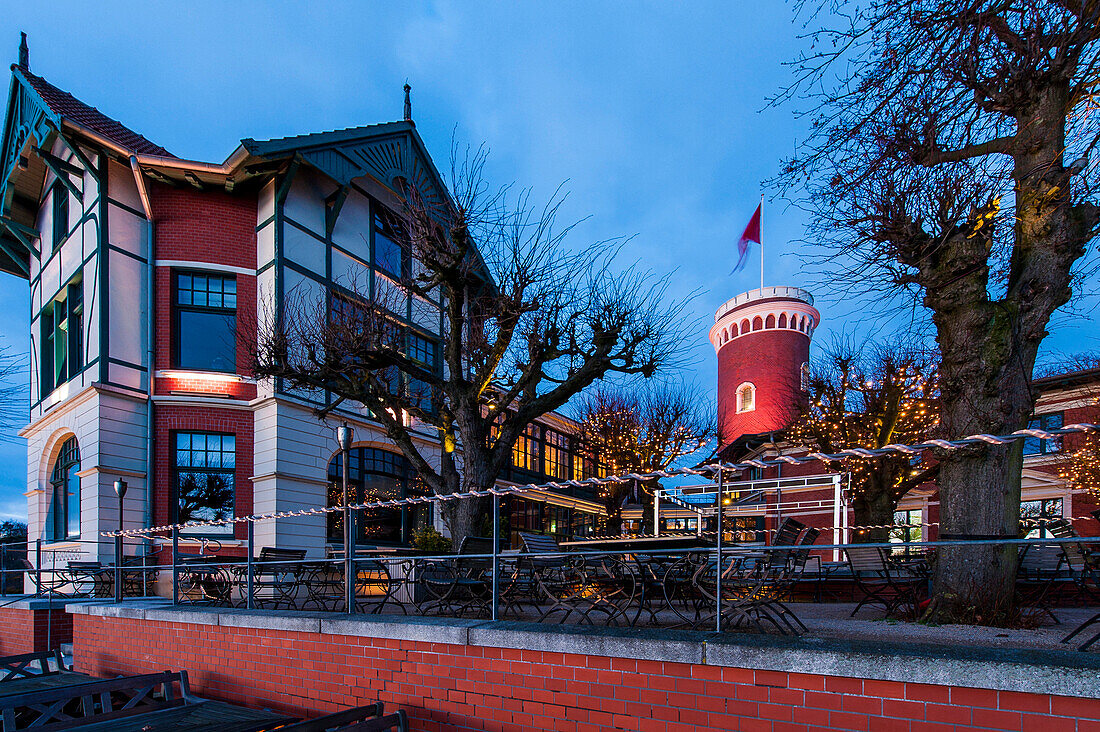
<point x="639" y="429"/>
<point x="13" y="394"/>
<point x="948" y="159"/>
<point x="528" y="323"/>
<point x="870" y="396"/>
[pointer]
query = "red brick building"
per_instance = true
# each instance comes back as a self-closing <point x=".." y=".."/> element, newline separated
<point x="148" y="276"/>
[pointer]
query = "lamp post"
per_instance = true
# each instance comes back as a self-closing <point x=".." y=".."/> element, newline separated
<point x="120" y="491"/>
<point x="344" y="436"/>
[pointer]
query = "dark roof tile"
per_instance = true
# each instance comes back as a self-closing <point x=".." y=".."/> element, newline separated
<point x="69" y="107"/>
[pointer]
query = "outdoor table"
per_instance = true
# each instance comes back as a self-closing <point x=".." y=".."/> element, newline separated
<point x="205" y="579"/>
<point x="202" y="716"/>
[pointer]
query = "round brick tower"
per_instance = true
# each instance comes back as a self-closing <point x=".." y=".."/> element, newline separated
<point x="762" y="338"/>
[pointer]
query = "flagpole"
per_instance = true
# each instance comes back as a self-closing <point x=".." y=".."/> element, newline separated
<point x="761" y="241"/>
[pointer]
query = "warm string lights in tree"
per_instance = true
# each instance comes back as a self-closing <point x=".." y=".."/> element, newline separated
<point x="1080" y="465"/>
<point x="869" y="396"/>
<point x="639" y="430"/>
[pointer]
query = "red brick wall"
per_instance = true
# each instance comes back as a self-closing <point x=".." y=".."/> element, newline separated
<point x="455" y="687"/>
<point x="170" y="418"/>
<point x="25" y="631"/>
<point x="215" y="228"/>
<point x="772" y="361"/>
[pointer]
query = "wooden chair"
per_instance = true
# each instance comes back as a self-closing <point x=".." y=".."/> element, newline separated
<point x="881" y="583"/>
<point x="22" y="666"/>
<point x="396" y="721"/>
<point x="1036" y="574"/>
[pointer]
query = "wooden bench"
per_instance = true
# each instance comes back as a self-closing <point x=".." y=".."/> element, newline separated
<point x="21" y="666"/>
<point x="99" y="701"/>
<point x="343" y="720"/>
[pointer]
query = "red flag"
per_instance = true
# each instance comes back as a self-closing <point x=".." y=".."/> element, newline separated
<point x="752" y="233"/>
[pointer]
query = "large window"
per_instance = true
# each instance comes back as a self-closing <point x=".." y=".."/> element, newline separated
<point x="63" y="521"/>
<point x="205" y="322"/>
<point x="205" y="482"/>
<point x="60" y="213"/>
<point x="62" y="325"/>
<point x="555" y="463"/>
<point x="525" y="453"/>
<point x="376" y="475"/>
<point x="1037" y="446"/>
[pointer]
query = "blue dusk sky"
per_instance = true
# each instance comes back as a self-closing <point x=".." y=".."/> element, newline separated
<point x="654" y="114"/>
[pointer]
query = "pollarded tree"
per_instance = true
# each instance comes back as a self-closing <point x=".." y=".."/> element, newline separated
<point x="528" y="323"/>
<point x="640" y="428"/>
<point x="948" y="159"/>
<point x="871" y="396"/>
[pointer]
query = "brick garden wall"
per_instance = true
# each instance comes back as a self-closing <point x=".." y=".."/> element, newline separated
<point x="24" y="631"/>
<point x="470" y="687"/>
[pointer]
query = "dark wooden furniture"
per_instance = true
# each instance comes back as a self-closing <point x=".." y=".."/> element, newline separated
<point x="1038" y="571"/>
<point x="396" y="721"/>
<point x="883" y="583"/>
<point x="70" y="705"/>
<point x="29" y="665"/>
<point x="199" y="715"/>
<point x="461" y="585"/>
<point x="339" y="720"/>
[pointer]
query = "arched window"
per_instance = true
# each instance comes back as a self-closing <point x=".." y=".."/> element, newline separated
<point x="376" y="475"/>
<point x="757" y="323"/>
<point x="805" y="373"/>
<point x="782" y="320"/>
<point x="63" y="521"/>
<point x="744" y="326"/>
<point x="746" y="397"/>
<point x="770" y="322"/>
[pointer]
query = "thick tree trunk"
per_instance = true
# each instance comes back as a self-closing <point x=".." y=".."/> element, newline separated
<point x="874" y="507"/>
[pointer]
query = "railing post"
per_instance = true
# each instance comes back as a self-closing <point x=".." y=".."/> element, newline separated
<point x="38" y="567"/>
<point x="496" y="553"/>
<point x="175" y="565"/>
<point x="718" y="574"/>
<point x="349" y="564"/>
<point x="250" y="592"/>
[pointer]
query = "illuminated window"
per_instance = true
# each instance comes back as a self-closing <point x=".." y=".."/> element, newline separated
<point x="556" y="455"/>
<point x="746" y="397"/>
<point x="206" y="322"/>
<point x="64" y="519"/>
<point x="525" y="453"/>
<point x="377" y="475"/>
<point x="805" y="373"/>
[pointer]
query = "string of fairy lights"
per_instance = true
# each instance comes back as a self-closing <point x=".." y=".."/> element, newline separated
<point x="711" y="470"/>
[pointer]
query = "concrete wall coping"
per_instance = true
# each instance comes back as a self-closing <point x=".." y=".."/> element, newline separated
<point x="1063" y="673"/>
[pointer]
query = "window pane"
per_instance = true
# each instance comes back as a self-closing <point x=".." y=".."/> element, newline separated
<point x="206" y="496"/>
<point x="207" y="341"/>
<point x="387" y="254"/>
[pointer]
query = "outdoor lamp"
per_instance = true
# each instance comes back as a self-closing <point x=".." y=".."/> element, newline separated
<point x="344" y="436"/>
<point x="120" y="487"/>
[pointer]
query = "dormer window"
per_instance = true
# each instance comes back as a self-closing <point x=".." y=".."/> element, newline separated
<point x="746" y="397"/>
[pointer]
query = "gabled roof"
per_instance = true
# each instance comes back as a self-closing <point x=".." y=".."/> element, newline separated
<point x="71" y="109"/>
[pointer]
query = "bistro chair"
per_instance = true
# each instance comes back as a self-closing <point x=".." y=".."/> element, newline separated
<point x="1036" y="574"/>
<point x="882" y="583"/>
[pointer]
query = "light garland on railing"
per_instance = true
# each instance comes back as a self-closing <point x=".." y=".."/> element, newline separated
<point x="704" y="470"/>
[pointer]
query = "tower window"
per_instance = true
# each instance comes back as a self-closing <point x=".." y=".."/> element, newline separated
<point x="746" y="397"/>
<point x="805" y="373"/>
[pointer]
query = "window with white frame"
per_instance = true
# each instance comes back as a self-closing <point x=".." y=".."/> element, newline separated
<point x="746" y="397"/>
